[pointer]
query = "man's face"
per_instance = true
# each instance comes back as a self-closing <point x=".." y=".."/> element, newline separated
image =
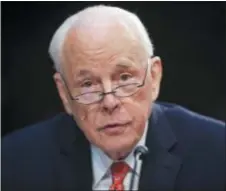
<point x="101" y="60"/>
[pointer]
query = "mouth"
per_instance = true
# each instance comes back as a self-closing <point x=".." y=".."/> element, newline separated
<point x="115" y="128"/>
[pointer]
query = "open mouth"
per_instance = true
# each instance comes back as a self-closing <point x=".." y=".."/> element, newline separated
<point x="115" y="125"/>
<point x="115" y="128"/>
<point x="112" y="126"/>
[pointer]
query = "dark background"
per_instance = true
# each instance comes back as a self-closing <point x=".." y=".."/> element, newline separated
<point x="189" y="37"/>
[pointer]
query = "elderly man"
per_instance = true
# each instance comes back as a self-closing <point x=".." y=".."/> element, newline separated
<point x="113" y="135"/>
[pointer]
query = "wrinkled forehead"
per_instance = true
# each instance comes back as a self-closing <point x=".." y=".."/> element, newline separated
<point x="101" y="46"/>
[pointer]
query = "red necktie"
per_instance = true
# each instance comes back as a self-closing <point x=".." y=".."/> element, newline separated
<point x="119" y="171"/>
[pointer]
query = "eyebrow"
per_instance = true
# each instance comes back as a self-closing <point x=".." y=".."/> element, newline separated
<point x="86" y="72"/>
<point x="123" y="65"/>
<point x="126" y="65"/>
<point x="82" y="72"/>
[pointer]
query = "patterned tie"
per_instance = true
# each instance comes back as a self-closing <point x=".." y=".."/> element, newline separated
<point x="119" y="171"/>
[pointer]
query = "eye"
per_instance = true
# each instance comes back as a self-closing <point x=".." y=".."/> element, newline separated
<point x="86" y="84"/>
<point x="125" y="76"/>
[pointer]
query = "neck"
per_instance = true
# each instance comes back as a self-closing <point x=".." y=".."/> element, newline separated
<point x="116" y="156"/>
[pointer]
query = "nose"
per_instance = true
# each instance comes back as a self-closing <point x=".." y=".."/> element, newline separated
<point x="110" y="102"/>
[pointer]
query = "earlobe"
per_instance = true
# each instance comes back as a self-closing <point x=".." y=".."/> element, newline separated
<point x="62" y="92"/>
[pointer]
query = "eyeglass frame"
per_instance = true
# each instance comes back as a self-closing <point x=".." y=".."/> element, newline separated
<point x="103" y="94"/>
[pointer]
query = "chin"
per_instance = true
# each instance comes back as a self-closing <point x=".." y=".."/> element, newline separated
<point x="119" y="146"/>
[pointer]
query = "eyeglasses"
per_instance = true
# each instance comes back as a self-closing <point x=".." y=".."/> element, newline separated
<point x="119" y="91"/>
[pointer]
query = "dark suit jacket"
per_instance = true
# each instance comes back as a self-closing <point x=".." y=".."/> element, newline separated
<point x="186" y="152"/>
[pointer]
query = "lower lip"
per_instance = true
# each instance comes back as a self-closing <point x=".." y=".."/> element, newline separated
<point x="115" y="130"/>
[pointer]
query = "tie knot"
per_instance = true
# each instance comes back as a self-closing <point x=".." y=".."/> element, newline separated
<point x="119" y="171"/>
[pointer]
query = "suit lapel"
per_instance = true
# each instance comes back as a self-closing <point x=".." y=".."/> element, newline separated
<point x="160" y="167"/>
<point x="73" y="170"/>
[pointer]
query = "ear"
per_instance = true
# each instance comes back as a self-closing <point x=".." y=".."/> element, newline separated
<point x="156" y="76"/>
<point x="62" y="92"/>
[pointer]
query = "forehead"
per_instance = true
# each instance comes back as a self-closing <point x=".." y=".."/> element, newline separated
<point x="100" y="47"/>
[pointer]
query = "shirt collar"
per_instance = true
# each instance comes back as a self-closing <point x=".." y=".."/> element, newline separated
<point x="101" y="162"/>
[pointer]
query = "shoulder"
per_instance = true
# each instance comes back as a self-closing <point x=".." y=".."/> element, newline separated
<point x="34" y="136"/>
<point x="181" y="115"/>
<point x="28" y="154"/>
<point x="189" y="125"/>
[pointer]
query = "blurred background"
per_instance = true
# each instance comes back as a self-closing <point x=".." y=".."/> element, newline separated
<point x="188" y="36"/>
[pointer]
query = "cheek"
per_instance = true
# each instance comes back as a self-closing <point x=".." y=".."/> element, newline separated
<point x="143" y="98"/>
<point x="81" y="111"/>
<point x="83" y="116"/>
<point x="84" y="120"/>
<point x="140" y="105"/>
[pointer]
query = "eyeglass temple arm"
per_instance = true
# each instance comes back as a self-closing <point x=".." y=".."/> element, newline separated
<point x="146" y="71"/>
<point x="71" y="97"/>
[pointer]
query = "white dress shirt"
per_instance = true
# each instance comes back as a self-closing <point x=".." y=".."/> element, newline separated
<point x="102" y="178"/>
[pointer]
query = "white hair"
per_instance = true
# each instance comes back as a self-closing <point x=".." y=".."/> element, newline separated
<point x="98" y="14"/>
